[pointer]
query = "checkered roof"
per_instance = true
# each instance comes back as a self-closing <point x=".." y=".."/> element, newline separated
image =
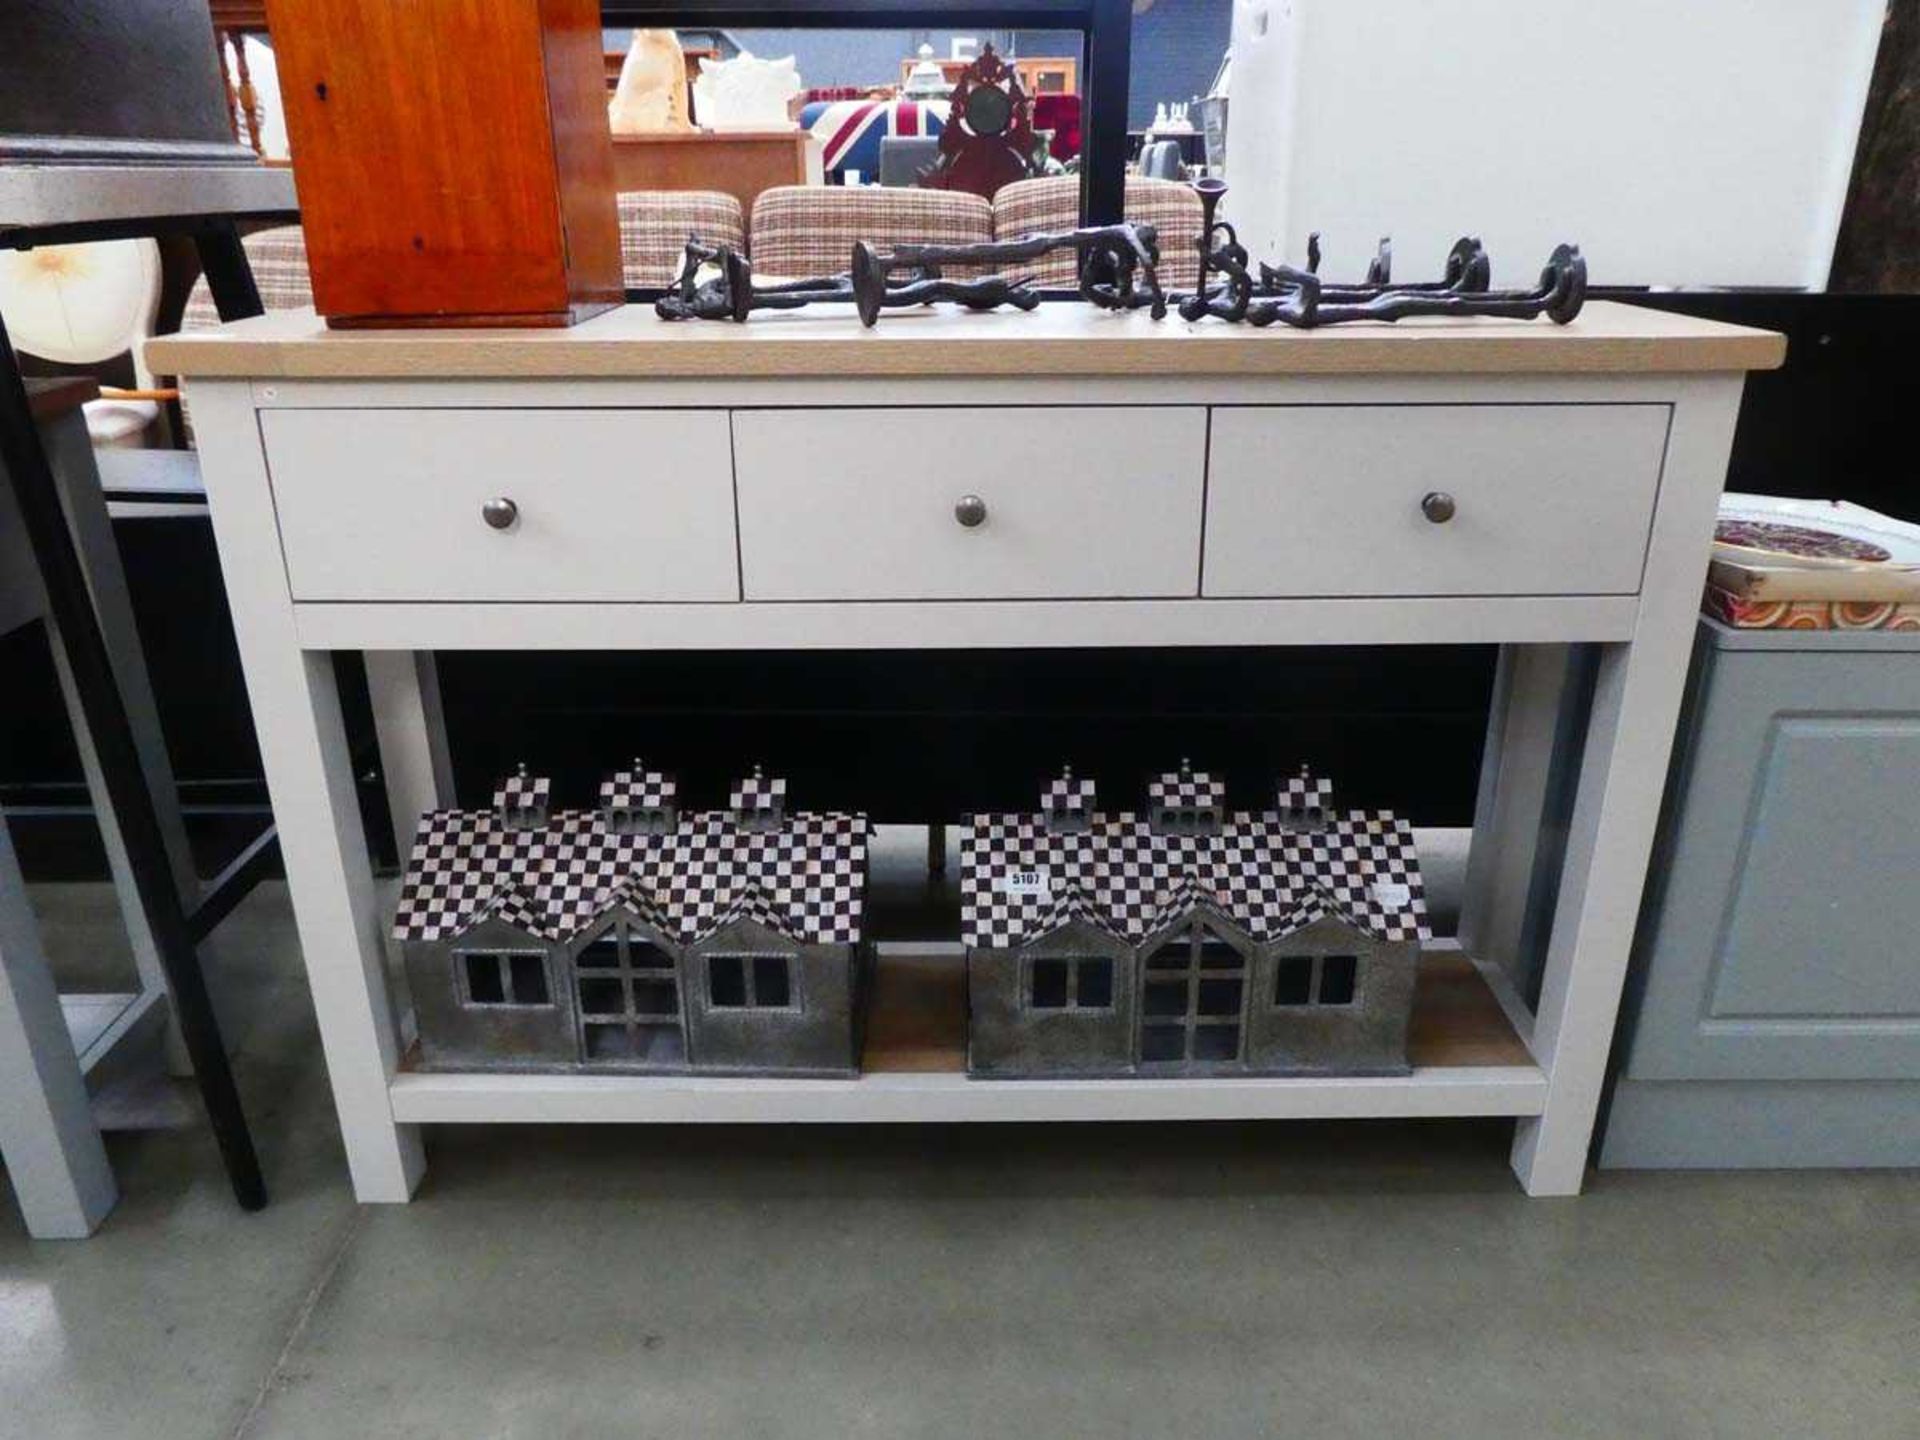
<point x="1267" y="878"/>
<point x="809" y="874"/>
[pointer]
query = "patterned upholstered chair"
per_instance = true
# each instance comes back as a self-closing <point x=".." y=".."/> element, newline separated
<point x="654" y="226"/>
<point x="803" y="230"/>
<point x="1053" y="203"/>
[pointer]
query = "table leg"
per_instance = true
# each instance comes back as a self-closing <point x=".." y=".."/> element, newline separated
<point x="303" y="747"/>
<point x="405" y="690"/>
<point x="1509" y="867"/>
<point x="53" y="1152"/>
<point x="1623" y="772"/>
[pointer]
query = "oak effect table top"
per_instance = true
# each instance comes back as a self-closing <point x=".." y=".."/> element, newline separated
<point x="1058" y="339"/>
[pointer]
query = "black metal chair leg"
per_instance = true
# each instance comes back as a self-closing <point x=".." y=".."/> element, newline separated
<point x="100" y="700"/>
<point x="229" y="277"/>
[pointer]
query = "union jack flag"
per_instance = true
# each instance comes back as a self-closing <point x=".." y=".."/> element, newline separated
<point x="850" y="131"/>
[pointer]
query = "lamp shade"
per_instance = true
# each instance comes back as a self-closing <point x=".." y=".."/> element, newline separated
<point x="81" y="304"/>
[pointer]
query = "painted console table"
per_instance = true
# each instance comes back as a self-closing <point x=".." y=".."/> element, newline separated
<point x="704" y="487"/>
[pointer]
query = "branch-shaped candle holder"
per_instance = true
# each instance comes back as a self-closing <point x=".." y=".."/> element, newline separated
<point x="1220" y="250"/>
<point x="1467" y="270"/>
<point x="1304" y="300"/>
<point x="1117" y="266"/>
<point x="1118" y="269"/>
<point x="1301" y="299"/>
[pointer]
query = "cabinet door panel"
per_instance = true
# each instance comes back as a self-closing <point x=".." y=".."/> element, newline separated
<point x="1782" y="946"/>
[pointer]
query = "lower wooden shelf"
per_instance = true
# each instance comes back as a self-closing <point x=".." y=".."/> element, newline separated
<point x="1467" y="1061"/>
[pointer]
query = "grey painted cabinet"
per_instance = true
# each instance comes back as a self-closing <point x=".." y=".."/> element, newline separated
<point x="1775" y="1001"/>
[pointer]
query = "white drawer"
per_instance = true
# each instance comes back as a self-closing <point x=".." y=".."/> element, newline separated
<point x="860" y="504"/>
<point x="611" y="504"/>
<point x="1548" y="499"/>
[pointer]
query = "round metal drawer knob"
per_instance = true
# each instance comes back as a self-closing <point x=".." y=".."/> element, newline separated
<point x="500" y="513"/>
<point x="970" y="511"/>
<point x="1437" y="506"/>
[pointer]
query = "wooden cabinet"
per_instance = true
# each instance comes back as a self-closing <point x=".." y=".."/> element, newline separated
<point x="740" y="163"/>
<point x="452" y="158"/>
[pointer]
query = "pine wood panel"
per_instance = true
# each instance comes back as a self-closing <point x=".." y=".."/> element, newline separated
<point x="452" y="158"/>
<point x="1056" y="340"/>
<point x="583" y="150"/>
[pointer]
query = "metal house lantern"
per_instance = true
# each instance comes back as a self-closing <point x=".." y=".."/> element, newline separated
<point x="1191" y="940"/>
<point x="637" y="937"/>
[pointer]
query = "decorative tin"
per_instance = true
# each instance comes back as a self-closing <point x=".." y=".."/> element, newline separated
<point x="1192" y="940"/>
<point x="637" y="937"/>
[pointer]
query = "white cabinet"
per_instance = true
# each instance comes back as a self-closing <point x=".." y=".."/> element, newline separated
<point x="1584" y="461"/>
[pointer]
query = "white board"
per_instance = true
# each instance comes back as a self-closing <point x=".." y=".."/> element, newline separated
<point x="1708" y="143"/>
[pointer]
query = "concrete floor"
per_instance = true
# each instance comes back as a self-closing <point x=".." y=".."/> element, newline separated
<point x="1365" y="1280"/>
